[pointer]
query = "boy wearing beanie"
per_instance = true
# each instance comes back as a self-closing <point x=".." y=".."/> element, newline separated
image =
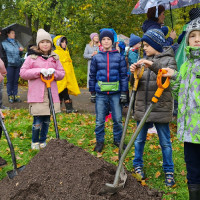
<point x="131" y="52"/>
<point x="161" y="115"/>
<point x="108" y="85"/>
<point x="185" y="87"/>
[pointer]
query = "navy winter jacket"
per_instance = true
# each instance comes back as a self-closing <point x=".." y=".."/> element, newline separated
<point x="108" y="66"/>
<point x="150" y="24"/>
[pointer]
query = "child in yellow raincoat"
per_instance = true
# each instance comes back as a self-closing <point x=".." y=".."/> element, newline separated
<point x="68" y="85"/>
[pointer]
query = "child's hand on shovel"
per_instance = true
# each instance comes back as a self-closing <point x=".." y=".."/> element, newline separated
<point x="170" y="72"/>
<point x="51" y="71"/>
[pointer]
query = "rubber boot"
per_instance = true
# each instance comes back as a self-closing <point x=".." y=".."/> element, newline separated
<point x="17" y="99"/>
<point x="69" y="107"/>
<point x="194" y="191"/>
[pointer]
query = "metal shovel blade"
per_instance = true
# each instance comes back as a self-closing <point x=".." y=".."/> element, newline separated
<point x="12" y="173"/>
<point x="114" y="188"/>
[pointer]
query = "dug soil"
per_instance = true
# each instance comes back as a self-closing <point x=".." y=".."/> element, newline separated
<point x="64" y="171"/>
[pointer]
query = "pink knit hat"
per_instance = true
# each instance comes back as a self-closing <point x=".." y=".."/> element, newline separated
<point x="93" y="34"/>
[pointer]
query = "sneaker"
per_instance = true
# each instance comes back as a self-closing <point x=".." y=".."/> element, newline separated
<point x="35" y="145"/>
<point x="11" y="99"/>
<point x="42" y="145"/>
<point x="139" y="171"/>
<point x="118" y="143"/>
<point x="169" y="179"/>
<point x="17" y="99"/>
<point x="99" y="147"/>
<point x="2" y="162"/>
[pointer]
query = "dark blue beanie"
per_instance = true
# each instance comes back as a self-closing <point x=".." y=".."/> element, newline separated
<point x="134" y="39"/>
<point x="106" y="33"/>
<point x="165" y="30"/>
<point x="155" y="38"/>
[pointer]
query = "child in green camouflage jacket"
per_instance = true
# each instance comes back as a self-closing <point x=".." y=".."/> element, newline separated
<point x="186" y="88"/>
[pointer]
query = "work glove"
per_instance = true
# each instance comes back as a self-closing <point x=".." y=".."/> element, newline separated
<point x="123" y="97"/>
<point x="51" y="71"/>
<point x="44" y="72"/>
<point x="93" y="97"/>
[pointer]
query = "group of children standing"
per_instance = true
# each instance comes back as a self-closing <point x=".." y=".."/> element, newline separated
<point x="109" y="84"/>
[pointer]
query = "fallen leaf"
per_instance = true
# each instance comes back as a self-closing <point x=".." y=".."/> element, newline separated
<point x="143" y="183"/>
<point x="93" y="141"/>
<point x="116" y="150"/>
<point x="157" y="174"/>
<point x="183" y="173"/>
<point x="114" y="158"/>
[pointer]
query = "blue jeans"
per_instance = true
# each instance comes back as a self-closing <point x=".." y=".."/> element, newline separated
<point x="40" y="128"/>
<point x="102" y="101"/>
<point x="12" y="80"/>
<point x="165" y="143"/>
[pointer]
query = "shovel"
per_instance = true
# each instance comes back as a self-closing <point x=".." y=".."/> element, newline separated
<point x="113" y="188"/>
<point x="137" y="77"/>
<point x="48" y="85"/>
<point x="11" y="174"/>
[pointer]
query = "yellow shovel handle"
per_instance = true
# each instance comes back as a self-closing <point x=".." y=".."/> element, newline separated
<point x="137" y="77"/>
<point x="161" y="86"/>
<point x="47" y="81"/>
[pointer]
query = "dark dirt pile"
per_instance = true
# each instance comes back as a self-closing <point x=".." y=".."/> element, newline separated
<point x="64" y="171"/>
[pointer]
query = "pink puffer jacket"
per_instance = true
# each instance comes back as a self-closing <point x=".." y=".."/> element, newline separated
<point x="31" y="71"/>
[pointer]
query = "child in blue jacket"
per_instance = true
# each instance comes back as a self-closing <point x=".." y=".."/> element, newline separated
<point x="108" y="84"/>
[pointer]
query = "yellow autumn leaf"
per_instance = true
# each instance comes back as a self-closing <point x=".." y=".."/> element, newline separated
<point x="157" y="174"/>
<point x="183" y="173"/>
<point x="116" y="150"/>
<point x="143" y="183"/>
<point x="93" y="141"/>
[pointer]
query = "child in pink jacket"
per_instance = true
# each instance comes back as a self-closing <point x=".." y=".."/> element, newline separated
<point x="41" y="60"/>
<point x="2" y="74"/>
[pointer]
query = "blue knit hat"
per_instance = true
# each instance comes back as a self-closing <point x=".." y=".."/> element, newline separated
<point x="134" y="39"/>
<point x="155" y="38"/>
<point x="106" y="33"/>
<point x="165" y="30"/>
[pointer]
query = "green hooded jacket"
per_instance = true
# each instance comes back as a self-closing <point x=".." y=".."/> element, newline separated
<point x="186" y="89"/>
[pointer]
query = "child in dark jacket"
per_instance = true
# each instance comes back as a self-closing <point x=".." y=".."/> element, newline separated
<point x="108" y="85"/>
<point x="161" y="115"/>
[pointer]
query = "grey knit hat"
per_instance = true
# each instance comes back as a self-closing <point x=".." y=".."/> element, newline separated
<point x="194" y="25"/>
<point x="43" y="35"/>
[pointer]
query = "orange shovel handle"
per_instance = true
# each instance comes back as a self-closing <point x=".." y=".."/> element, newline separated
<point x="47" y="81"/>
<point x="161" y="86"/>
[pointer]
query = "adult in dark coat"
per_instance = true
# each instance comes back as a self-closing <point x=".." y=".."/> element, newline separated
<point x="156" y="22"/>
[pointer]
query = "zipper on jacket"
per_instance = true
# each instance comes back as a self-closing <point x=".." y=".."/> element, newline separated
<point x="107" y="68"/>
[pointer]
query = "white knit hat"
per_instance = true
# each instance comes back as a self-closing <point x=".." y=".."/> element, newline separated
<point x="43" y="35"/>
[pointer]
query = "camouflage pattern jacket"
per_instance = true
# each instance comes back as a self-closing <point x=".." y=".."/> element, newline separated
<point x="186" y="88"/>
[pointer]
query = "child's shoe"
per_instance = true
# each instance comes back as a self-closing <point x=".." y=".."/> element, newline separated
<point x="169" y="179"/>
<point x="42" y="145"/>
<point x="11" y="99"/>
<point x="99" y="147"/>
<point x="35" y="145"/>
<point x="139" y="171"/>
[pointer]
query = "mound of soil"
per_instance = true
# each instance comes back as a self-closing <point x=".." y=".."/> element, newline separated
<point x="64" y="171"/>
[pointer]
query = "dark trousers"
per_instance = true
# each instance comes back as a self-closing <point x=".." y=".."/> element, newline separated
<point x="12" y="80"/>
<point x="192" y="159"/>
<point x="64" y="95"/>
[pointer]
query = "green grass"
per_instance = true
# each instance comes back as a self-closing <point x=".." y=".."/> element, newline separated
<point x="79" y="130"/>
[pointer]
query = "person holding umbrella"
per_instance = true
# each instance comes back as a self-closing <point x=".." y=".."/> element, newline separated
<point x="155" y="22"/>
<point x="13" y="50"/>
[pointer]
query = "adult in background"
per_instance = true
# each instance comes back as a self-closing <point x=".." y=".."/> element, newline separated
<point x="13" y="50"/>
<point x="156" y="22"/>
<point x="91" y="49"/>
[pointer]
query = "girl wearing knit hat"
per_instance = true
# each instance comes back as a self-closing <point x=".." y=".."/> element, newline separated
<point x="41" y="60"/>
<point x="91" y="49"/>
<point x="162" y="114"/>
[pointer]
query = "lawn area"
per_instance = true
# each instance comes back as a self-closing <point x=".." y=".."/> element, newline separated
<point x="79" y="130"/>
